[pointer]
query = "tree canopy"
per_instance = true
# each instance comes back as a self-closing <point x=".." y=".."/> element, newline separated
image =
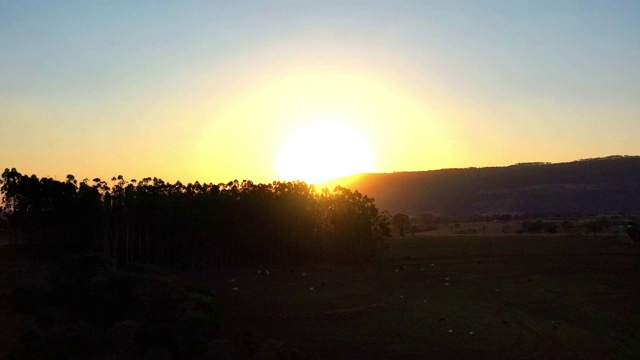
<point x="192" y="225"/>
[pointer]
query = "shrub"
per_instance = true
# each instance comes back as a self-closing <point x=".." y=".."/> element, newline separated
<point x="92" y="308"/>
<point x="633" y="231"/>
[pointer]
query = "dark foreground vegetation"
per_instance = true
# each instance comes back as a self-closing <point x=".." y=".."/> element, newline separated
<point x="108" y="253"/>
<point x="190" y="226"/>
<point x="448" y="297"/>
<point x="97" y="270"/>
<point x="83" y="307"/>
<point x="505" y="224"/>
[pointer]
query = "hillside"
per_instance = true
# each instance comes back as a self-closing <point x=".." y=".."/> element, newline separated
<point x="589" y="186"/>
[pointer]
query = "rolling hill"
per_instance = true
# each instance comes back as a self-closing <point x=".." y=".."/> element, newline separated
<point x="591" y="186"/>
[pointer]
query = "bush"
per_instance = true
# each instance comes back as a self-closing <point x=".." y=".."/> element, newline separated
<point x="633" y="231"/>
<point x="431" y="227"/>
<point x="93" y="309"/>
<point x="550" y="227"/>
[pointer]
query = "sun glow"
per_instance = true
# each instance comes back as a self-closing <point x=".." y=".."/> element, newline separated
<point x="407" y="133"/>
<point x="323" y="150"/>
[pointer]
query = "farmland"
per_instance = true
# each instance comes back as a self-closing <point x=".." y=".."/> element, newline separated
<point x="493" y="297"/>
<point x="437" y="296"/>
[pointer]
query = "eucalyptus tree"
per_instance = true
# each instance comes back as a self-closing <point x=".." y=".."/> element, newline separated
<point x="197" y="224"/>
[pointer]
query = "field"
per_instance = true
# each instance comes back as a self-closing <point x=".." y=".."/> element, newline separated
<point x="447" y="297"/>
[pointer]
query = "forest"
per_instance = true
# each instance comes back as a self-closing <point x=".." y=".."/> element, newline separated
<point x="112" y="248"/>
<point x="192" y="226"/>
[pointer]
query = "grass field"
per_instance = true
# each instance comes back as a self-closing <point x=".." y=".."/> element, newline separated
<point x="448" y="297"/>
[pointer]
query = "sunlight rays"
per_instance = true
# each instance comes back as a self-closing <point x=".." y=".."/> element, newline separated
<point x="323" y="150"/>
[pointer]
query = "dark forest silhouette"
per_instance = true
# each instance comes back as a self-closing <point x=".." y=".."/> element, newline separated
<point x="191" y="226"/>
<point x="112" y="244"/>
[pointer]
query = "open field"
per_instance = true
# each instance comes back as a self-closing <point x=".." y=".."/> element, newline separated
<point x="491" y="297"/>
<point x="445" y="297"/>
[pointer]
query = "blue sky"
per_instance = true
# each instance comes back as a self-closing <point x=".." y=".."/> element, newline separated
<point x="140" y="82"/>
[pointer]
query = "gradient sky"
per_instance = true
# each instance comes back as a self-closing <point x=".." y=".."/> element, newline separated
<point x="210" y="90"/>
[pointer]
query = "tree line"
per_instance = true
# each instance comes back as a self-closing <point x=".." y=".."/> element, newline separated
<point x="200" y="225"/>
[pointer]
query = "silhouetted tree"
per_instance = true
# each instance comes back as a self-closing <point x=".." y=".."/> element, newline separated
<point x="633" y="231"/>
<point x="597" y="225"/>
<point x="400" y="222"/>
<point x="192" y="225"/>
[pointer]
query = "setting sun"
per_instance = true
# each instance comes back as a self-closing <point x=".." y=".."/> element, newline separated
<point x="267" y="155"/>
<point x="323" y="150"/>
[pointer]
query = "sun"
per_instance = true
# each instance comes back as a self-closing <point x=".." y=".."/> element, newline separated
<point x="323" y="150"/>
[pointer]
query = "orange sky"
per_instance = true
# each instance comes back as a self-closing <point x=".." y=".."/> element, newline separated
<point x="212" y="91"/>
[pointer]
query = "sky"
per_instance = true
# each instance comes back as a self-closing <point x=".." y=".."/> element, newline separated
<point x="211" y="90"/>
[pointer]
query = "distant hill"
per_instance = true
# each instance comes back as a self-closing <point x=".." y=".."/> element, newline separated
<point x="590" y="186"/>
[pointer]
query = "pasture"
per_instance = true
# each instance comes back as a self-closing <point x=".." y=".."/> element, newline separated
<point x="447" y="297"/>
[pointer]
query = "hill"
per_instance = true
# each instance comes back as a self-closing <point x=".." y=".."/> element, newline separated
<point x="590" y="186"/>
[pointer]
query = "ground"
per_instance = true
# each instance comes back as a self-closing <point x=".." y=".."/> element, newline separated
<point x="445" y="297"/>
<point x="448" y="297"/>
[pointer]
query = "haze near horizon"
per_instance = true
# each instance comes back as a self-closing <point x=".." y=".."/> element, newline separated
<point x="215" y="91"/>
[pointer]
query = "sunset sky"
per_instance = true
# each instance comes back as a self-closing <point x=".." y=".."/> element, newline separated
<point x="213" y="90"/>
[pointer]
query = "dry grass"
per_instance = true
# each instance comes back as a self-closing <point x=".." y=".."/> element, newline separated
<point x="535" y="297"/>
<point x="523" y="297"/>
<point x="15" y="268"/>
